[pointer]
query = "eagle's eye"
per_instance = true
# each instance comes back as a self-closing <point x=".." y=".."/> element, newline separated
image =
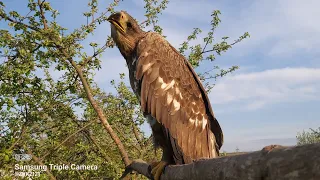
<point x="121" y="16"/>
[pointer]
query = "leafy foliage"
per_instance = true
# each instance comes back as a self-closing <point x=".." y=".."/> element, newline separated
<point x="39" y="113"/>
<point x="207" y="51"/>
<point x="308" y="137"/>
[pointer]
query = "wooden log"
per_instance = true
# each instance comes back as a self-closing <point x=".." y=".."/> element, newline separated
<point x="273" y="162"/>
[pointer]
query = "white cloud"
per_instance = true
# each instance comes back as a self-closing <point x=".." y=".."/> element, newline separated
<point x="277" y="28"/>
<point x="192" y="10"/>
<point x="258" y="89"/>
<point x="287" y="26"/>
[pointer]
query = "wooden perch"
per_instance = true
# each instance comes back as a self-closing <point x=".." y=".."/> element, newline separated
<point x="271" y="163"/>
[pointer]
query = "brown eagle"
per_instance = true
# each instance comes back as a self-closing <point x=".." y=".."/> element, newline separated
<point x="171" y="95"/>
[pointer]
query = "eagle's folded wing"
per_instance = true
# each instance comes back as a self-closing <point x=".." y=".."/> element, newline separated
<point x="171" y="93"/>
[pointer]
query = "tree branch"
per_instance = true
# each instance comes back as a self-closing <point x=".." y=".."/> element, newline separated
<point x="66" y="139"/>
<point x="37" y="160"/>
<point x="23" y="129"/>
<point x="101" y="17"/>
<point x="123" y="136"/>
<point x="98" y="109"/>
<point x="4" y="16"/>
<point x="137" y="135"/>
<point x="98" y="149"/>
<point x="44" y="20"/>
<point x="146" y="146"/>
<point x="108" y="44"/>
<point x="215" y="49"/>
<point x="272" y="162"/>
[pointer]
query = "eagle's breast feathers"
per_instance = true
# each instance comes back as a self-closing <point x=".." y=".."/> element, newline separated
<point x="170" y="92"/>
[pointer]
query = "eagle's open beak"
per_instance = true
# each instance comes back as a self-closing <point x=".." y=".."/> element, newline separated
<point x="112" y="19"/>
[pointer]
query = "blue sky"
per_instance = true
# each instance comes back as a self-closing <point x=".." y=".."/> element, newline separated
<point x="276" y="92"/>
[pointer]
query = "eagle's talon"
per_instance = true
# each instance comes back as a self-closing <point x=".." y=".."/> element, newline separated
<point x="157" y="169"/>
<point x="154" y="164"/>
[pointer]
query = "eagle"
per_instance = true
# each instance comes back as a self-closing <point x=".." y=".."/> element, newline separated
<point x="171" y="95"/>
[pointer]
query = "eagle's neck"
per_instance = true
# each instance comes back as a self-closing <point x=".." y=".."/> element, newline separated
<point x="131" y="60"/>
<point x="127" y="46"/>
<point x="126" y="43"/>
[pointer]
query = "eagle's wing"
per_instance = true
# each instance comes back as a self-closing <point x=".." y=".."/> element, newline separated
<point x="172" y="93"/>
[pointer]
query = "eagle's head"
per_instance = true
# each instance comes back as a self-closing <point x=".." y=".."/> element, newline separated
<point x="125" y="31"/>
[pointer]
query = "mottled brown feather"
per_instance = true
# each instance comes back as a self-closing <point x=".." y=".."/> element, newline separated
<point x="185" y="138"/>
<point x="149" y="99"/>
<point x="154" y="74"/>
<point x="173" y="96"/>
<point x="165" y="115"/>
<point x="144" y="93"/>
<point x="159" y="108"/>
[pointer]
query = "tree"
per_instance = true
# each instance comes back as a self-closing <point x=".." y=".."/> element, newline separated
<point x="306" y="137"/>
<point x="39" y="112"/>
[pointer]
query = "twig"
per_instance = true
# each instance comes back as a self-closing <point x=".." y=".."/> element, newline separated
<point x="93" y="140"/>
<point x="23" y="129"/>
<point x="214" y="49"/>
<point x="99" y="51"/>
<point x="100" y="17"/>
<point x="65" y="140"/>
<point x="123" y="136"/>
<point x="4" y="16"/>
<point x="145" y="146"/>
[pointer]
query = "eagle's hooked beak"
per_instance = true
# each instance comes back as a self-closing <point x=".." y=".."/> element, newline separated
<point x="117" y="20"/>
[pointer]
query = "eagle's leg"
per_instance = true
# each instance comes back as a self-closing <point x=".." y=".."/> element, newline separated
<point x="158" y="167"/>
<point x="160" y="140"/>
